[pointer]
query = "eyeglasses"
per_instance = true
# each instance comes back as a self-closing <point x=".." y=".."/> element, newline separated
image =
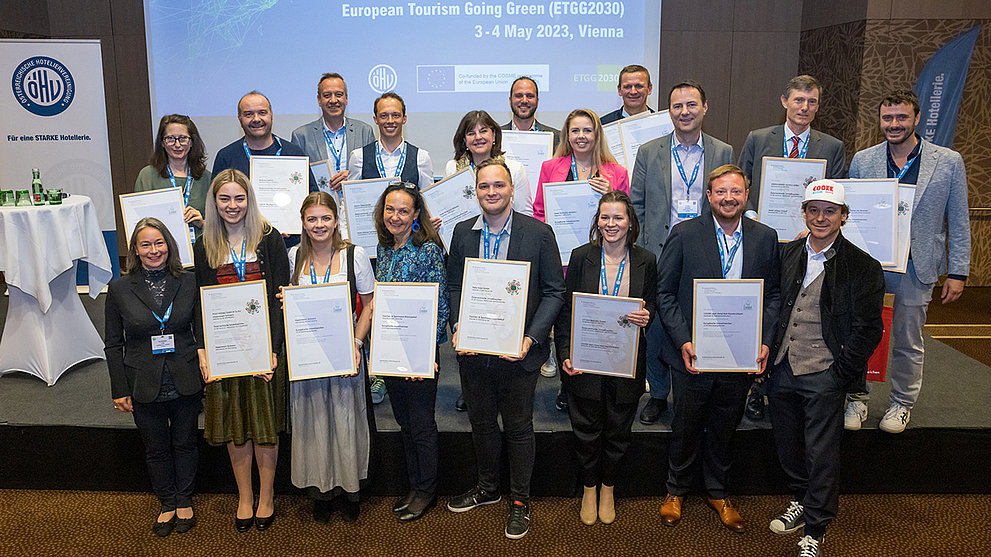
<point x="173" y="139"/>
<point x="407" y="185"/>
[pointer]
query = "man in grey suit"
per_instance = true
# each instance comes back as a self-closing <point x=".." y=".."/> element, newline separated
<point x="940" y="218"/>
<point x="523" y="100"/>
<point x="667" y="189"/>
<point x="332" y="137"/>
<point x="794" y="139"/>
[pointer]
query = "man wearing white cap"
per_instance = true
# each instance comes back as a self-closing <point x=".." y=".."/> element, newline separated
<point x="832" y="293"/>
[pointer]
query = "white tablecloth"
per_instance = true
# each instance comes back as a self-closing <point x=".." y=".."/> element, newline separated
<point x="47" y="329"/>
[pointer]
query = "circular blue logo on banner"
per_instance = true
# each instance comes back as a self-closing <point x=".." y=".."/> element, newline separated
<point x="43" y="86"/>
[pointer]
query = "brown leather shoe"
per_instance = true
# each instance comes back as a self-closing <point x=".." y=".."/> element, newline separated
<point x="727" y="514"/>
<point x="671" y="510"/>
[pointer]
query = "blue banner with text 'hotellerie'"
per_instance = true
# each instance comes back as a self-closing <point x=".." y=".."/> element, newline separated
<point x="940" y="88"/>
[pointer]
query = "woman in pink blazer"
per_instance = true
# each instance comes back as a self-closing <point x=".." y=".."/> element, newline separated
<point x="584" y="156"/>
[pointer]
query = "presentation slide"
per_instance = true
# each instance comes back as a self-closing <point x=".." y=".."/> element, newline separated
<point x="444" y="57"/>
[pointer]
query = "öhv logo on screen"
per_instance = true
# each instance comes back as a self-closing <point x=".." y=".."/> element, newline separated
<point x="382" y="78"/>
<point x="43" y="86"/>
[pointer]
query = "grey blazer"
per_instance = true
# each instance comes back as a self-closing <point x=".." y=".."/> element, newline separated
<point x="769" y="142"/>
<point x="654" y="161"/>
<point x="938" y="210"/>
<point x="311" y="140"/>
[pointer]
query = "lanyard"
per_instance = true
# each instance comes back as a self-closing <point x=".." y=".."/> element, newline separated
<point x="681" y="169"/>
<point x="163" y="319"/>
<point x="908" y="164"/>
<point x="239" y="264"/>
<point x="185" y="194"/>
<point x="619" y="275"/>
<point x="485" y="235"/>
<point x="574" y="170"/>
<point x="381" y="165"/>
<point x="727" y="262"/>
<point x="331" y="148"/>
<point x="247" y="153"/>
<point x="326" y="276"/>
<point x="801" y="152"/>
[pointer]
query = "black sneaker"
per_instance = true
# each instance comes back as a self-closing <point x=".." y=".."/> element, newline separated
<point x="562" y="402"/>
<point x="474" y="497"/>
<point x="518" y="523"/>
<point x="810" y="547"/>
<point x="792" y="519"/>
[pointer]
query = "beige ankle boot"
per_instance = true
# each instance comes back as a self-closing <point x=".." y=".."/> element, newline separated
<point x="607" y="506"/>
<point x="588" y="506"/>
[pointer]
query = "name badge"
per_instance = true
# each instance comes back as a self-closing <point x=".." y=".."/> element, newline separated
<point x="688" y="208"/>
<point x="162" y="344"/>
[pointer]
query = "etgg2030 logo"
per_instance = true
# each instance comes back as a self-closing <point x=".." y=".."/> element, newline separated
<point x="43" y="86"/>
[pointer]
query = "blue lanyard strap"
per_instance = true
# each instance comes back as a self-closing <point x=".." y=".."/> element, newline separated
<point x="239" y="264"/>
<point x="163" y="319"/>
<point x="574" y="170"/>
<point x="721" y="241"/>
<point x="332" y="149"/>
<point x="247" y="153"/>
<point x="185" y="194"/>
<point x="619" y="275"/>
<point x="381" y="165"/>
<point x="681" y="169"/>
<point x="801" y="152"/>
<point x="908" y="164"/>
<point x="326" y="276"/>
<point x="485" y="235"/>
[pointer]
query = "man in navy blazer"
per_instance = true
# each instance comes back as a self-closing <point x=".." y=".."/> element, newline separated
<point x="634" y="87"/>
<point x="940" y="219"/>
<point x="523" y="100"/>
<point x="719" y="244"/>
<point x="501" y="385"/>
<point x="332" y="136"/>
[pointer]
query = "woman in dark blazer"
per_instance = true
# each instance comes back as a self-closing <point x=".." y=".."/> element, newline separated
<point x="151" y="333"/>
<point x="602" y="408"/>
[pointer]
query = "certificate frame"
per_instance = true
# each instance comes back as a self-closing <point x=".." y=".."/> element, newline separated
<point x="375" y="366"/>
<point x="577" y="363"/>
<point x="173" y="221"/>
<point x="758" y="286"/>
<point x="362" y="236"/>
<point x="530" y="161"/>
<point x="256" y="293"/>
<point x="293" y="354"/>
<point x="629" y="126"/>
<point x="886" y="255"/>
<point x="322" y="174"/>
<point x="473" y="329"/>
<point x="453" y="203"/>
<point x="282" y="210"/>
<point x="568" y="240"/>
<point x="789" y="222"/>
<point x="906" y="201"/>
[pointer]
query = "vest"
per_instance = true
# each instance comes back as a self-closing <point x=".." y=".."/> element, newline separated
<point x="370" y="169"/>
<point x="803" y="343"/>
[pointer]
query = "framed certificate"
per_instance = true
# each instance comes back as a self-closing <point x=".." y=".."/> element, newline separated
<point x="319" y="330"/>
<point x="906" y="200"/>
<point x="873" y="222"/>
<point x="235" y="328"/>
<point x="727" y="316"/>
<point x="453" y="200"/>
<point x="530" y="149"/>
<point x="493" y="306"/>
<point x="360" y="197"/>
<point x="165" y="205"/>
<point x="569" y="208"/>
<point x="280" y="184"/>
<point x="614" y="142"/>
<point x="322" y="173"/>
<point x="782" y="189"/>
<point x="404" y="329"/>
<point x="603" y="341"/>
<point x="640" y="129"/>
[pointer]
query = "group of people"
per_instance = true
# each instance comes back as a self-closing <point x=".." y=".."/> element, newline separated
<point x="682" y="216"/>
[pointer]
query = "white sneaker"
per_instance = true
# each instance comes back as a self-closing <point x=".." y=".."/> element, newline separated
<point x="549" y="369"/>
<point x="856" y="413"/>
<point x="895" y="419"/>
<point x="789" y="521"/>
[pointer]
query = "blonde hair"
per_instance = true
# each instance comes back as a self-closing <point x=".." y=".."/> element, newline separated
<point x="214" y="238"/>
<point x="316" y="199"/>
<point x="601" y="152"/>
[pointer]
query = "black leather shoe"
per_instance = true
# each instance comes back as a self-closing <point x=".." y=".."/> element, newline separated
<point x="403" y="502"/>
<point x="262" y="524"/>
<point x="460" y="405"/>
<point x="562" y="401"/>
<point x="243" y="524"/>
<point x="417" y="508"/>
<point x="322" y="510"/>
<point x="652" y="410"/>
<point x="163" y="529"/>
<point x="184" y="525"/>
<point x="755" y="406"/>
<point x="349" y="510"/>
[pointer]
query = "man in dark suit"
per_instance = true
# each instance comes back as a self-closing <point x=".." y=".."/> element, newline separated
<point x="634" y="87"/>
<point x="794" y="139"/>
<point x="832" y="294"/>
<point x="708" y="406"/>
<point x="503" y="385"/>
<point x="332" y="136"/>
<point x="523" y="101"/>
<point x="666" y="189"/>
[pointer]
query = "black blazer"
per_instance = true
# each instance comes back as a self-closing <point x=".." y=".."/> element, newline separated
<point x="530" y="240"/>
<point x="850" y="304"/>
<point x="134" y="370"/>
<point x="691" y="253"/>
<point x="584" y="268"/>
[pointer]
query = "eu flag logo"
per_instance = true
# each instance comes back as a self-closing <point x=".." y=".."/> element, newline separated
<point x="434" y="78"/>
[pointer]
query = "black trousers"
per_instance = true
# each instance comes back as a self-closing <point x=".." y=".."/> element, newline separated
<point x="492" y="387"/>
<point x="169" y="431"/>
<point x="707" y="409"/>
<point x="807" y="416"/>
<point x="603" y="428"/>
<point x="413" y="404"/>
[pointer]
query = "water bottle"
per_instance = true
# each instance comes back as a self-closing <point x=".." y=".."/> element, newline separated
<point x="37" y="190"/>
